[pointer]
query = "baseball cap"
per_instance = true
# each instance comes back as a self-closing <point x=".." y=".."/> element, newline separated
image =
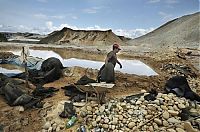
<point x="116" y="46"/>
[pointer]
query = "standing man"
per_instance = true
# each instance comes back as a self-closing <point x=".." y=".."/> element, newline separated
<point x="106" y="73"/>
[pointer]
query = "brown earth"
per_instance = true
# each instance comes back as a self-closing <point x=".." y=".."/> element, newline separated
<point x="83" y="37"/>
<point x="126" y="84"/>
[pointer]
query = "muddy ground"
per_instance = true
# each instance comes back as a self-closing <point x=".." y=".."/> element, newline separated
<point x="126" y="84"/>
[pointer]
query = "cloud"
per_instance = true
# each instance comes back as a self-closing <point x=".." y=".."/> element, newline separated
<point x="58" y="17"/>
<point x="153" y="1"/>
<point x="165" y="16"/>
<point x="171" y="1"/>
<point x="133" y="33"/>
<point x="43" y="16"/>
<point x="19" y="28"/>
<point x="40" y="16"/>
<point x="90" y="11"/>
<point x="74" y="17"/>
<point x="43" y="1"/>
<point x="93" y="10"/>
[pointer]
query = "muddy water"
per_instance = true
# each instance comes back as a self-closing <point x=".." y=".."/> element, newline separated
<point x="129" y="66"/>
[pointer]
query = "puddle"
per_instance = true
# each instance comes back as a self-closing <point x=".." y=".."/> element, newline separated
<point x="129" y="66"/>
<point x="9" y="72"/>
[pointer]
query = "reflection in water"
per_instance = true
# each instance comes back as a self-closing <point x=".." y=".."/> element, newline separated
<point x="129" y="66"/>
<point x="8" y="72"/>
<point x="44" y="54"/>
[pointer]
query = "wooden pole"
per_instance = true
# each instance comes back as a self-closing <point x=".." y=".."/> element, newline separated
<point x="25" y="65"/>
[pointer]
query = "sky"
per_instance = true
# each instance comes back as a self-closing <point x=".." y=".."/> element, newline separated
<point x="130" y="18"/>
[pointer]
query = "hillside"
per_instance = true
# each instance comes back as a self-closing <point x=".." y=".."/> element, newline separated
<point x="180" y="32"/>
<point x="85" y="37"/>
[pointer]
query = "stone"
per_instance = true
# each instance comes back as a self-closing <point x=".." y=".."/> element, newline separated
<point x="54" y="126"/>
<point x="47" y="125"/>
<point x="83" y="114"/>
<point x="120" y="117"/>
<point x="98" y="118"/>
<point x="43" y="130"/>
<point x="106" y="120"/>
<point x="165" y="115"/>
<point x="124" y="121"/>
<point x="171" y="130"/>
<point x="130" y="112"/>
<point x="164" y="107"/>
<point x="143" y="91"/>
<point x="176" y="108"/>
<point x="181" y="106"/>
<point x="141" y="98"/>
<point x="167" y="98"/>
<point x="19" y="108"/>
<point x="173" y="120"/>
<point x="102" y="130"/>
<point x="170" y="108"/>
<point x="131" y="125"/>
<point x="123" y="104"/>
<point x="165" y="123"/>
<point x="102" y="108"/>
<point x="58" y="129"/>
<point x="50" y="129"/>
<point x="180" y="130"/>
<point x="62" y="126"/>
<point x="159" y="95"/>
<point x="156" y="102"/>
<point x="173" y="113"/>
<point x="188" y="127"/>
<point x="158" y="121"/>
<point x="115" y="121"/>
<point x="94" y="123"/>
<point x="89" y="108"/>
<point x="148" y="116"/>
<point x="105" y="126"/>
<point x="151" y="129"/>
<point x="113" y="127"/>
<point x="138" y="102"/>
<point x="155" y="126"/>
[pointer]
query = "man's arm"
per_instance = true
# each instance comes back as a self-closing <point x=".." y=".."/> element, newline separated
<point x="119" y="63"/>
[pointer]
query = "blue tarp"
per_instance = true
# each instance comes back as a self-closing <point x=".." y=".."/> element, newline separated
<point x="32" y="62"/>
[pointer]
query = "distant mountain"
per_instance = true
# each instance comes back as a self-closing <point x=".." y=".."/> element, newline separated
<point x="22" y="37"/>
<point x="180" y="32"/>
<point x="83" y="37"/>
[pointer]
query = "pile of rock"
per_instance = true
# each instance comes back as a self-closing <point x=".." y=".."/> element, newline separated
<point x="53" y="123"/>
<point x="121" y="115"/>
<point x="137" y="114"/>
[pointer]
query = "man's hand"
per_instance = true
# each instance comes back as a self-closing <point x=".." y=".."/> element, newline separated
<point x="120" y="65"/>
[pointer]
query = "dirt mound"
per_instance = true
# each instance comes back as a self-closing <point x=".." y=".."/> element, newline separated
<point x="180" y="32"/>
<point x="91" y="37"/>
